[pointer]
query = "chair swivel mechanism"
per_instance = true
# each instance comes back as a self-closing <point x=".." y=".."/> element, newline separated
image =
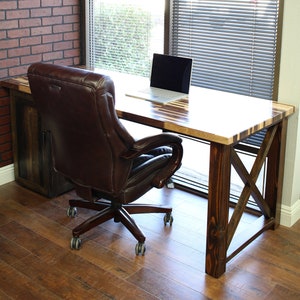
<point x="90" y="147"/>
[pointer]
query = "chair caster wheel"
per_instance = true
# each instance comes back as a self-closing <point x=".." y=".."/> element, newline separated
<point x="168" y="218"/>
<point x="140" y="248"/>
<point x="170" y="184"/>
<point x="75" y="243"/>
<point x="72" y="212"/>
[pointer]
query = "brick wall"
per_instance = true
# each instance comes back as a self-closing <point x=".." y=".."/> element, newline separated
<point x="33" y="31"/>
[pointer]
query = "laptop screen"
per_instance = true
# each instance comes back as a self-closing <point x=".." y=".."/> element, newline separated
<point x="171" y="73"/>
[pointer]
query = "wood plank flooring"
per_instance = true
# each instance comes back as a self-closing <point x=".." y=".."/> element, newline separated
<point x="36" y="261"/>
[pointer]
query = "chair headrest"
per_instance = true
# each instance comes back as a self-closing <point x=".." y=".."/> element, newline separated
<point x="73" y="75"/>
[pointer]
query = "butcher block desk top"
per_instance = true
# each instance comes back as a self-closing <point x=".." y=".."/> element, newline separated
<point x="210" y="115"/>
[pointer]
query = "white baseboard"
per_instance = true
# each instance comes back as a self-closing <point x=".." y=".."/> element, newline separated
<point x="7" y="174"/>
<point x="289" y="215"/>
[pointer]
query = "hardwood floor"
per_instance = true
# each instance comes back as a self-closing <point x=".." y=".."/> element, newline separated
<point x="36" y="261"/>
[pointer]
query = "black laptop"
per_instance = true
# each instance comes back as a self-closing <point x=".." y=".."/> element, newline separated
<point x="170" y="79"/>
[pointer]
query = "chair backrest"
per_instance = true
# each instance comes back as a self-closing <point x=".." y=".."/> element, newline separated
<point x="77" y="108"/>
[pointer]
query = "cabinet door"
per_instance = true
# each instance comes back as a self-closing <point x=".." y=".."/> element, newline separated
<point x="32" y="153"/>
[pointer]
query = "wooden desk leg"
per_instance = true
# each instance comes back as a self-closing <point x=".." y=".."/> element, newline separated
<point x="275" y="171"/>
<point x="218" y="209"/>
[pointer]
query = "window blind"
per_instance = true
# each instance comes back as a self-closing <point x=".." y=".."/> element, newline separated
<point x="233" y="43"/>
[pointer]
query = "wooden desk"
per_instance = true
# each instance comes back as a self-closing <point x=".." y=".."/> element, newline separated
<point x="224" y="120"/>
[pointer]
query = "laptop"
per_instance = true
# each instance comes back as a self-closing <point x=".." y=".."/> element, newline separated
<point x="170" y="79"/>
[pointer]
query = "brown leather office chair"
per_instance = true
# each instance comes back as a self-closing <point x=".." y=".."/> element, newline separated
<point x="92" y="149"/>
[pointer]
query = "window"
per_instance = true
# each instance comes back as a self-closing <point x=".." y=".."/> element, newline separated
<point x="123" y="34"/>
<point x="234" y="43"/>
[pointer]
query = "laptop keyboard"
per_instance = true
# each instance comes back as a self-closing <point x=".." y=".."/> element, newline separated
<point x="162" y="95"/>
<point x="157" y="95"/>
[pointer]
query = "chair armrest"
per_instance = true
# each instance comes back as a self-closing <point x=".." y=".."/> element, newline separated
<point x="149" y="143"/>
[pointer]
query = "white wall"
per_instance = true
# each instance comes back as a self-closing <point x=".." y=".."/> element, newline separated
<point x="289" y="92"/>
<point x="7" y="174"/>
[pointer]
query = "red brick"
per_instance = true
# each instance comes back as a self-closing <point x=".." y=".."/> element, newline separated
<point x="6" y="156"/>
<point x="64" y="62"/>
<point x="4" y="97"/>
<point x="71" y="2"/>
<point x="27" y="41"/>
<point x="4" y="102"/>
<point x="52" y="55"/>
<point x="30" y="59"/>
<point x="2" y="15"/>
<point x="11" y="62"/>
<point x="63" y="45"/>
<point x="4" y="110"/>
<point x="17" y="33"/>
<point x="17" y="71"/>
<point x="76" y="61"/>
<point x="41" y="12"/>
<point x="4" y="129"/>
<point x="9" y="43"/>
<point x="3" y="34"/>
<point x="6" y="5"/>
<point x="62" y="28"/>
<point x="5" y="119"/>
<point x="76" y="10"/>
<point x="41" y="30"/>
<point x="9" y="24"/>
<point x="62" y="11"/>
<point x="41" y="49"/>
<point x="52" y="38"/>
<point x="3" y="73"/>
<point x="5" y="138"/>
<point x="29" y="3"/>
<point x="71" y="36"/>
<point x="18" y="52"/>
<point x="76" y="27"/>
<point x="5" y="147"/>
<point x="76" y="44"/>
<point x="71" y="19"/>
<point x="17" y="14"/>
<point x="71" y="53"/>
<point x="52" y="20"/>
<point x="46" y="3"/>
<point x="3" y="54"/>
<point x="32" y="22"/>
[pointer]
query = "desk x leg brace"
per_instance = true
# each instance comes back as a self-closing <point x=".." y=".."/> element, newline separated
<point x="220" y="232"/>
